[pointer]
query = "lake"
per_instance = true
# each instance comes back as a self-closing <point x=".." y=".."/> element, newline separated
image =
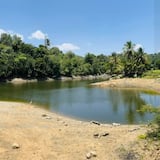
<point x="79" y="100"/>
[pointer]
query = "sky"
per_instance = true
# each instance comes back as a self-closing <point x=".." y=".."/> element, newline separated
<point x="82" y="26"/>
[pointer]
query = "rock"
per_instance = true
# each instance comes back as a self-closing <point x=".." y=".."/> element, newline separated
<point x="116" y="124"/>
<point x="91" y="154"/>
<point x="88" y="155"/>
<point x="15" y="146"/>
<point x="95" y="122"/>
<point x="105" y="134"/>
<point x="96" y="135"/>
<point x="44" y="115"/>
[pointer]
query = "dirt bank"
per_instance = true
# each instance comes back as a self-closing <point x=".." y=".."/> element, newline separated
<point x="136" y="83"/>
<point x="31" y="133"/>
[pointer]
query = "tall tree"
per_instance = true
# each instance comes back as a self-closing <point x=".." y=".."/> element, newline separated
<point x="135" y="61"/>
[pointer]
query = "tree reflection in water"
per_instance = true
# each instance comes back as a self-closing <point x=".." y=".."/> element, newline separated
<point x="131" y="102"/>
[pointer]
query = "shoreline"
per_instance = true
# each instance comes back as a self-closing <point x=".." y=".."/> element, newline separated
<point x="131" y="83"/>
<point x="73" y="78"/>
<point x="45" y="135"/>
<point x="41" y="134"/>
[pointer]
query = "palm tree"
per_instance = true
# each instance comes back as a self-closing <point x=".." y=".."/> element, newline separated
<point x="129" y="56"/>
<point x="129" y="50"/>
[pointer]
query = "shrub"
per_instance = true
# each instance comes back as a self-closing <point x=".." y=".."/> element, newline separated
<point x="154" y="132"/>
<point x="152" y="74"/>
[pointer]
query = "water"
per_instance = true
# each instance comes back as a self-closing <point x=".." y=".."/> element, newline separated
<point x="79" y="100"/>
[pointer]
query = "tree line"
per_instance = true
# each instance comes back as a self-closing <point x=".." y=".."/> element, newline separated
<point x="23" y="60"/>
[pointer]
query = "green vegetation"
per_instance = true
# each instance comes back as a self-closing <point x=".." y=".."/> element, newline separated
<point x="152" y="74"/>
<point x="19" y="59"/>
<point x="154" y="132"/>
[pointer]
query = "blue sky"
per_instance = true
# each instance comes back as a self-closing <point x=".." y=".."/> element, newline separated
<point x="96" y="26"/>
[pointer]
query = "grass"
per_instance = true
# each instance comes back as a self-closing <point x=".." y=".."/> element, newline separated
<point x="152" y="74"/>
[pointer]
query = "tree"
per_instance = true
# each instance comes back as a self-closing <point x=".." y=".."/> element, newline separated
<point x="115" y="64"/>
<point x="6" y="39"/>
<point x="41" y="51"/>
<point x="16" y="43"/>
<point x="55" y="51"/>
<point x="141" y="62"/>
<point x="28" y="49"/>
<point x="129" y="50"/>
<point x="135" y="61"/>
<point x="47" y="42"/>
<point x="6" y="66"/>
<point x="89" y="58"/>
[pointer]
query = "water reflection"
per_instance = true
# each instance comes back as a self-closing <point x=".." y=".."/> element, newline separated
<point x="78" y="100"/>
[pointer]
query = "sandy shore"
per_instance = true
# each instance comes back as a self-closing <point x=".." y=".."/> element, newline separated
<point x="133" y="83"/>
<point x="42" y="135"/>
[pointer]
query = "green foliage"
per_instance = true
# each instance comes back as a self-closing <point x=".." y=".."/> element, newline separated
<point x="135" y="62"/>
<point x="115" y="65"/>
<point x="19" y="59"/>
<point x="142" y="136"/>
<point x="152" y="74"/>
<point x="154" y="133"/>
<point x="154" y="60"/>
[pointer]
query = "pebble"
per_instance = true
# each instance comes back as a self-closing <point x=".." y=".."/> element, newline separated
<point x="95" y="122"/>
<point x="15" y="146"/>
<point x="91" y="154"/>
<point x="97" y="135"/>
<point x="105" y="134"/>
<point x="44" y="115"/>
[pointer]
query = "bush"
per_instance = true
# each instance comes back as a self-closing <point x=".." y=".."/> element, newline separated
<point x="152" y="74"/>
<point x="154" y="132"/>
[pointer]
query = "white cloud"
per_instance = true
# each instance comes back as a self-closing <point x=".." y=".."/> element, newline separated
<point x="137" y="46"/>
<point x="11" y="33"/>
<point x="37" y="35"/>
<point x="2" y="31"/>
<point x="68" y="47"/>
<point x="20" y="35"/>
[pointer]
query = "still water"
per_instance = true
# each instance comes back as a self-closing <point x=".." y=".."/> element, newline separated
<point x="79" y="100"/>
